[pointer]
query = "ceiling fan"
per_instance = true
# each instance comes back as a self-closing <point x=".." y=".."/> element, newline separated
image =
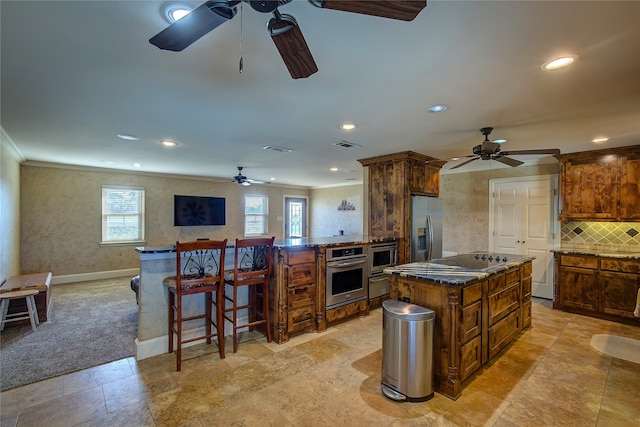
<point x="283" y="28"/>
<point x="491" y="151"/>
<point x="243" y="180"/>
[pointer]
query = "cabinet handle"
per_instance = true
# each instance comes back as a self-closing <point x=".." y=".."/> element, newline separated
<point x="517" y="241"/>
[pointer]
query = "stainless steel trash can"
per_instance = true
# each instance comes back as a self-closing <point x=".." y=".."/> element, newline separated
<point x="407" y="351"/>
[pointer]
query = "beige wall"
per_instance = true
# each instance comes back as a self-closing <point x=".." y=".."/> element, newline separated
<point x="9" y="210"/>
<point x="327" y="220"/>
<point x="61" y="216"/>
<point x="465" y="198"/>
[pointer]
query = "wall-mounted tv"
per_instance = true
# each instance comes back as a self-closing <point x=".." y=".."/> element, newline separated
<point x="198" y="210"/>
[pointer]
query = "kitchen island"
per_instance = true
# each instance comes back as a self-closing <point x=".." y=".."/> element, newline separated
<point x="482" y="302"/>
<point x="297" y="291"/>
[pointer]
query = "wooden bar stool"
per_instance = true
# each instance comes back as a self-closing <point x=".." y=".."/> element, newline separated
<point x="252" y="268"/>
<point x="31" y="312"/>
<point x="199" y="270"/>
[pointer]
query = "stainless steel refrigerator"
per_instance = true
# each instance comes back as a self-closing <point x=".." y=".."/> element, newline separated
<point x="426" y="228"/>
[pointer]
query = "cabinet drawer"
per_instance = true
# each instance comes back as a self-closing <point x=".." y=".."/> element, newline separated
<point x="503" y="332"/>
<point x="300" y="319"/>
<point x="620" y="265"/>
<point x="503" y="302"/>
<point x="471" y="321"/>
<point x="300" y="296"/>
<point x="472" y="294"/>
<point x="300" y="256"/>
<point x="579" y="261"/>
<point x="299" y="275"/>
<point x="513" y="276"/>
<point x="470" y="357"/>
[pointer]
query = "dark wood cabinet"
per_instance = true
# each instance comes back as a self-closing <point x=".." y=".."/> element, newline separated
<point x="474" y="322"/>
<point x="294" y="292"/>
<point x="629" y="169"/>
<point x="597" y="286"/>
<point x="393" y="178"/>
<point x="600" y="185"/>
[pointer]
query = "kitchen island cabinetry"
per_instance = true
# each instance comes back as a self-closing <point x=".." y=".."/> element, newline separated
<point x="600" y="185"/>
<point x="478" y="311"/>
<point x="597" y="285"/>
<point x="294" y="293"/>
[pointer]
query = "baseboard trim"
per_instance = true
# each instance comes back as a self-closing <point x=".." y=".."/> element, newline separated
<point x="83" y="277"/>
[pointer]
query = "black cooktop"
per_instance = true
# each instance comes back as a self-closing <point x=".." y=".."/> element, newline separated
<point x="478" y="261"/>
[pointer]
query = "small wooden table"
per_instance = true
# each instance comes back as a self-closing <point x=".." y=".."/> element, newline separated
<point x="37" y="281"/>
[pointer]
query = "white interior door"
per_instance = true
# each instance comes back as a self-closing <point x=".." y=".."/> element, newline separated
<point x="524" y="212"/>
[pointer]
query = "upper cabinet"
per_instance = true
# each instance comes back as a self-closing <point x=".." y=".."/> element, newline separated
<point x="393" y="178"/>
<point x="600" y="185"/>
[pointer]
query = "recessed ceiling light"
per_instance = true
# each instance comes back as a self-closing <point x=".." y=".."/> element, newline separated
<point x="273" y="178"/>
<point x="174" y="12"/>
<point x="333" y="169"/>
<point x="600" y="139"/>
<point x="137" y="165"/>
<point x="168" y="143"/>
<point x="127" y="137"/>
<point x="455" y="158"/>
<point x="557" y="63"/>
<point x="500" y="141"/>
<point x="347" y="126"/>
<point x="437" y="108"/>
<point x="278" y="149"/>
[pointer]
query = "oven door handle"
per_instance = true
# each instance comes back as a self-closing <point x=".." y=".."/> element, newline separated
<point x="349" y="263"/>
<point x="378" y="279"/>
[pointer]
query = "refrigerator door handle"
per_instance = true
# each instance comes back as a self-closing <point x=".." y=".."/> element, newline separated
<point x="429" y="231"/>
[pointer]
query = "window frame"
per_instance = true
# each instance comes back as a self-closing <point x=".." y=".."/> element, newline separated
<point x="105" y="241"/>
<point x="264" y="215"/>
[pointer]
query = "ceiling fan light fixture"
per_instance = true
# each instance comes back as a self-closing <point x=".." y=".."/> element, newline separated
<point x="175" y="12"/>
<point x="500" y="141"/>
<point x="558" y="63"/>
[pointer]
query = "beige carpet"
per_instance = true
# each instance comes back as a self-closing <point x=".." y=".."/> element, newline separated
<point x="618" y="347"/>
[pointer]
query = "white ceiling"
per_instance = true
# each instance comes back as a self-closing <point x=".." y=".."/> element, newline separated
<point x="75" y="74"/>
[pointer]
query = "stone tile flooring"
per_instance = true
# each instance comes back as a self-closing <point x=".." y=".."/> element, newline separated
<point x="549" y="376"/>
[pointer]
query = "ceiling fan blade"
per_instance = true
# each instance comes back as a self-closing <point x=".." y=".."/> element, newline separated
<point x="196" y="24"/>
<point x="404" y="10"/>
<point x="292" y="46"/>
<point x="540" y="151"/>
<point x="507" y="160"/>
<point x="464" y="163"/>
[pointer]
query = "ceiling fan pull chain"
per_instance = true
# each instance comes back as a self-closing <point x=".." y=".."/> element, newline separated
<point x="241" y="64"/>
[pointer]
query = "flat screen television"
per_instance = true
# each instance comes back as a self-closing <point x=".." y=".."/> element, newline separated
<point x="198" y="210"/>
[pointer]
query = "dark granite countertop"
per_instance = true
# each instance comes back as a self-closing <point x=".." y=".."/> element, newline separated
<point x="459" y="269"/>
<point x="288" y="243"/>
<point x="631" y="254"/>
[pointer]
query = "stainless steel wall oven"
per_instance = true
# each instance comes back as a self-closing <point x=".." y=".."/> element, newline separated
<point x="346" y="275"/>
<point x="380" y="256"/>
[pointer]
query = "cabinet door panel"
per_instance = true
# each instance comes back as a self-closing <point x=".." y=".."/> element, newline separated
<point x="503" y="332"/>
<point x="470" y="357"/>
<point x="503" y="302"/>
<point x="590" y="188"/>
<point x="301" y="296"/>
<point x="303" y="274"/>
<point x="618" y="292"/>
<point x="629" y="166"/>
<point x="579" y="288"/>
<point x="471" y="321"/>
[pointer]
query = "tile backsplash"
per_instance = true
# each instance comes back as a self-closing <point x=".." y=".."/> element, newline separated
<point x="601" y="235"/>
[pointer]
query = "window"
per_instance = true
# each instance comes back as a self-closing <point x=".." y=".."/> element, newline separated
<point x="122" y="214"/>
<point x="256" y="211"/>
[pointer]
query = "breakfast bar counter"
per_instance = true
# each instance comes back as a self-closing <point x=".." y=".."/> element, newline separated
<point x="482" y="302"/>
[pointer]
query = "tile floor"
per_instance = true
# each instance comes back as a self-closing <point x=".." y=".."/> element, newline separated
<point x="549" y="376"/>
